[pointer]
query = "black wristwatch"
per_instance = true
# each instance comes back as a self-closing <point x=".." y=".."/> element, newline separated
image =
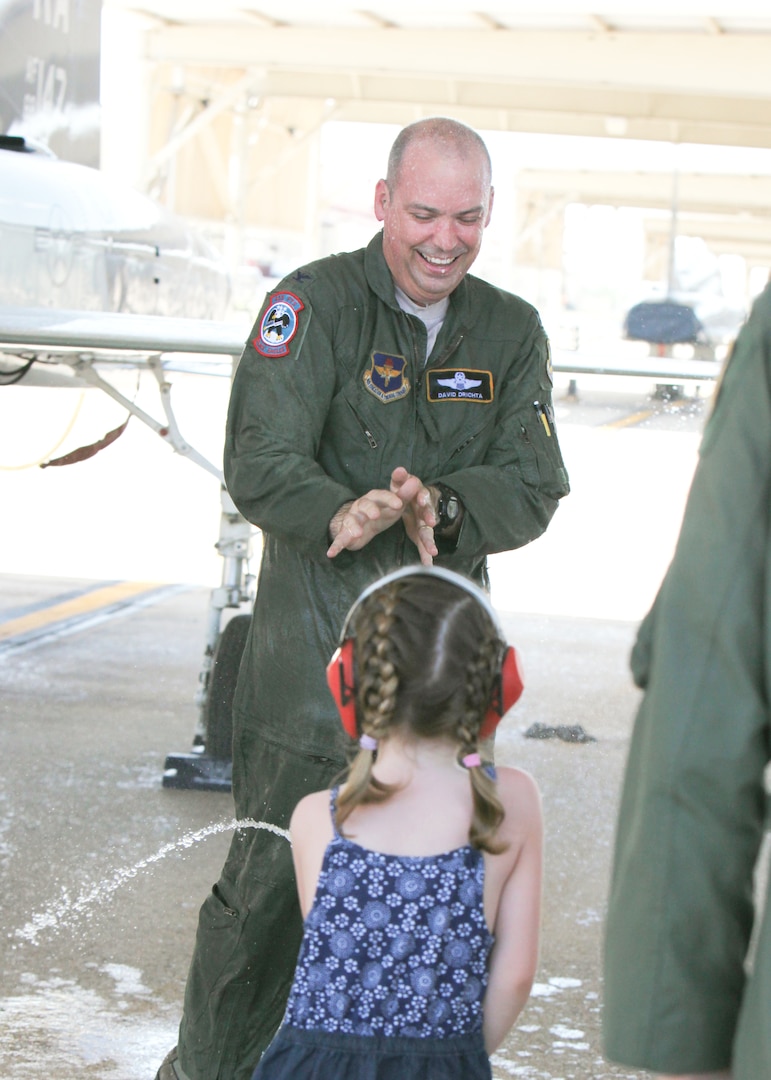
<point x="447" y="510"/>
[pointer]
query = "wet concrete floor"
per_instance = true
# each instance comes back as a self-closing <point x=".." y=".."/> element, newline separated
<point x="104" y="869"/>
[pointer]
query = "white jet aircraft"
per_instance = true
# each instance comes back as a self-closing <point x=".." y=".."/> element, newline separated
<point x="92" y="275"/>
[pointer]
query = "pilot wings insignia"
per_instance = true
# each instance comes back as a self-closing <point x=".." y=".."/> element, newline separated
<point x="460" y="382"/>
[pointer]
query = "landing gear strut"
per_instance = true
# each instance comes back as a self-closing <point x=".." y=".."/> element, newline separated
<point x="209" y="765"/>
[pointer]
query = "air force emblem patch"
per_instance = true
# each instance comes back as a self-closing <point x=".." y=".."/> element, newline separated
<point x="278" y="325"/>
<point x="453" y="385"/>
<point x="386" y="377"/>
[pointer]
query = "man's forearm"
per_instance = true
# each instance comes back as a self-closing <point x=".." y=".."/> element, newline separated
<point x="336" y="523"/>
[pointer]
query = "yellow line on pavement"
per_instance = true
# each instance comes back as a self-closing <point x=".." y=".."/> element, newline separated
<point x="627" y="421"/>
<point x="80" y="605"/>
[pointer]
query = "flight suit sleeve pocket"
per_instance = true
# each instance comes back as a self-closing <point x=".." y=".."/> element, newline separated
<point x="540" y="457"/>
<point x="528" y="458"/>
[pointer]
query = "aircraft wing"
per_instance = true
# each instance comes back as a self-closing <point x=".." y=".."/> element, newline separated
<point x="64" y="348"/>
<point x="53" y="336"/>
<point x="54" y="347"/>
<point x="56" y="336"/>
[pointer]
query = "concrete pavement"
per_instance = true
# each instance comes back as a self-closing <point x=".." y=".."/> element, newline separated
<point x="105" y="870"/>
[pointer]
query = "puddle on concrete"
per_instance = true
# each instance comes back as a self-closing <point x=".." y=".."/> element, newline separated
<point x="54" y="1027"/>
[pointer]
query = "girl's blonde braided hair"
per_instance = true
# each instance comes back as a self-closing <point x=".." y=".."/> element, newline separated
<point x="427" y="654"/>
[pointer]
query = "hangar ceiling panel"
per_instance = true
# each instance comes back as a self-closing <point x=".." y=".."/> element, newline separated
<point x="668" y="71"/>
<point x="238" y="89"/>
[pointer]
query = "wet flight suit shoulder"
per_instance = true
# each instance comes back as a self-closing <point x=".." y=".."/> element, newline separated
<point x="286" y="381"/>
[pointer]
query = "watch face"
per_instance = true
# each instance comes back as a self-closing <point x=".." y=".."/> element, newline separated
<point x="449" y="508"/>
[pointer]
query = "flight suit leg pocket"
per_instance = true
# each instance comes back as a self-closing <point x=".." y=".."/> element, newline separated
<point x="220" y="925"/>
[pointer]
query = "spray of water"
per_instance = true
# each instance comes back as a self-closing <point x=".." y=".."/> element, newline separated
<point x="66" y="910"/>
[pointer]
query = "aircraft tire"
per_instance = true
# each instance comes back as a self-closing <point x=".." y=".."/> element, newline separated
<point x="222" y="686"/>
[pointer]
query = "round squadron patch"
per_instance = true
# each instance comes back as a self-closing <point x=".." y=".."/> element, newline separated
<point x="549" y="363"/>
<point x="278" y="325"/>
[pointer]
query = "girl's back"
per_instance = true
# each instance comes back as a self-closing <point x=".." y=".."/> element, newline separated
<point x="394" y="944"/>
<point x="419" y="880"/>
<point x="428" y="814"/>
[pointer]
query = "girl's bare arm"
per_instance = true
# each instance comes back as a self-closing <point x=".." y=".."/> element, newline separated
<point x="514" y="958"/>
<point x="310" y="831"/>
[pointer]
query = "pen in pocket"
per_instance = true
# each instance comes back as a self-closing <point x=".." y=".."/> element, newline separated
<point x="543" y="414"/>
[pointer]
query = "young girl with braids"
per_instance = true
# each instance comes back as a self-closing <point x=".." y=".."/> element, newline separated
<point x="420" y="878"/>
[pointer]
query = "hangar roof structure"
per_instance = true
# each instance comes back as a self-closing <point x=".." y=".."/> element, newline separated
<point x="235" y="90"/>
<point x="667" y="73"/>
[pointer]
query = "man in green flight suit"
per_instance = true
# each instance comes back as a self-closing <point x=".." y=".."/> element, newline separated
<point x="388" y="409"/>
<point x="681" y="997"/>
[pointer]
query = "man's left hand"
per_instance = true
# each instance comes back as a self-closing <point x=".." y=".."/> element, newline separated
<point x="419" y="516"/>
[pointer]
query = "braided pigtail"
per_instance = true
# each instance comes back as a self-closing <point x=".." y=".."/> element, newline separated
<point x="488" y="810"/>
<point x="413" y="636"/>
<point x="378" y="684"/>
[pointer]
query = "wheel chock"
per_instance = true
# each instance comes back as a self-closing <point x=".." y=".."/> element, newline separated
<point x="197" y="771"/>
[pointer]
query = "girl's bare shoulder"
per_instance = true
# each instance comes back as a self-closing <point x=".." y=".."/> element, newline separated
<point x="311" y="814"/>
<point x="519" y="793"/>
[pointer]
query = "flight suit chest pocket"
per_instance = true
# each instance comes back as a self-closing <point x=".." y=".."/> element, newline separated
<point x="352" y="445"/>
<point x="365" y="426"/>
<point x="469" y="445"/>
<point x="458" y="408"/>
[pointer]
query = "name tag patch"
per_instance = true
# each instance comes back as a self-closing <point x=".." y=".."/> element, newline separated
<point x="278" y="325"/>
<point x="450" y="384"/>
<point x="386" y="377"/>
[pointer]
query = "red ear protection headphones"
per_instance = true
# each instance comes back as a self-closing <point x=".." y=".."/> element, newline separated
<point x="341" y="674"/>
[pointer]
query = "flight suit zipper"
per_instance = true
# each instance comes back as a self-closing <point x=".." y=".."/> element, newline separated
<point x="419" y="365"/>
<point x="365" y="430"/>
<point x="463" y="445"/>
<point x="440" y="360"/>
